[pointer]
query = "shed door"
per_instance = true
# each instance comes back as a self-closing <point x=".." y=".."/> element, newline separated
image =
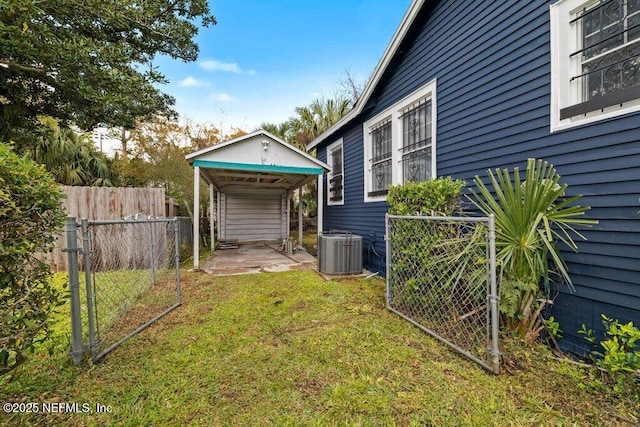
<point x="254" y="216"/>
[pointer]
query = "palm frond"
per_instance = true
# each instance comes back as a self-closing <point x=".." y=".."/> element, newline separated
<point x="531" y="217"/>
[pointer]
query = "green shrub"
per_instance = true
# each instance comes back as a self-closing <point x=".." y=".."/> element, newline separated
<point x="439" y="196"/>
<point x="430" y="256"/>
<point x="621" y="349"/>
<point x="30" y="218"/>
<point x="531" y="217"/>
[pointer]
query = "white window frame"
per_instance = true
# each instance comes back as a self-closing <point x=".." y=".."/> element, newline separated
<point x="330" y="173"/>
<point x="564" y="41"/>
<point x="368" y="149"/>
<point x="428" y="91"/>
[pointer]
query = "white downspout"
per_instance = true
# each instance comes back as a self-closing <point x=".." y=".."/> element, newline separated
<point x="211" y="220"/>
<point x="196" y="217"/>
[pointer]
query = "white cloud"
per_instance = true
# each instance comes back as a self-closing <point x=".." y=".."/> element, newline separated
<point x="193" y="82"/>
<point x="222" y="97"/>
<point x="230" y="67"/>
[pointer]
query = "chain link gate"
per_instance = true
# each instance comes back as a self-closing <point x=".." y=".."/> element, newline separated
<point x="131" y="277"/>
<point x="441" y="278"/>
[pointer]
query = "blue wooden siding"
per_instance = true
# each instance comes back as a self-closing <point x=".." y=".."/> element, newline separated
<point x="492" y="64"/>
<point x="364" y="219"/>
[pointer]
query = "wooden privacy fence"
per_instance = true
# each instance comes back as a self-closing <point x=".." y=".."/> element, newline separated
<point x="106" y="203"/>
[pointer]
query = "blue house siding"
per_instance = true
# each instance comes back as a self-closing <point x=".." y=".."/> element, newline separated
<point x="492" y="64"/>
<point x="366" y="220"/>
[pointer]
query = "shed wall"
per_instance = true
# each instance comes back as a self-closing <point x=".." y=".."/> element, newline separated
<point x="253" y="216"/>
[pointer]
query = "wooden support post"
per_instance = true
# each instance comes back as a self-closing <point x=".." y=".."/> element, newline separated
<point x="211" y="219"/>
<point x="300" y="216"/>
<point x="320" y="204"/>
<point x="218" y="219"/>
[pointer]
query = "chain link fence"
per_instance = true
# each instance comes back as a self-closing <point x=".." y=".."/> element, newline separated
<point x="441" y="278"/>
<point x="129" y="277"/>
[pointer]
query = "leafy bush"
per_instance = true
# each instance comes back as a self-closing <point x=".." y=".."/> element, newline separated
<point x="621" y="350"/>
<point x="30" y="218"/>
<point x="439" y="196"/>
<point x="531" y="216"/>
<point x="620" y="355"/>
<point x="430" y="256"/>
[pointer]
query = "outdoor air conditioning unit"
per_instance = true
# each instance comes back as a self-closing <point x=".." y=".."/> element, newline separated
<point x="340" y="253"/>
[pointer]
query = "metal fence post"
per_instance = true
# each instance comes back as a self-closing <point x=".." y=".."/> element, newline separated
<point x="71" y="230"/>
<point x="86" y="253"/>
<point x="177" y="259"/>
<point x="387" y="239"/>
<point x="494" y="297"/>
<point x="153" y="253"/>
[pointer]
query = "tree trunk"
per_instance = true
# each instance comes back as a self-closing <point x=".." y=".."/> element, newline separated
<point x="124" y="140"/>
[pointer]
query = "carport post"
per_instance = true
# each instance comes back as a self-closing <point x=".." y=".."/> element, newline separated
<point x="211" y="221"/>
<point x="300" y="218"/>
<point x="196" y="217"/>
<point x="320" y="204"/>
<point x="218" y="214"/>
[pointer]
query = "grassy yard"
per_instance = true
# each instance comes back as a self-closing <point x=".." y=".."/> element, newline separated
<point x="310" y="241"/>
<point x="292" y="349"/>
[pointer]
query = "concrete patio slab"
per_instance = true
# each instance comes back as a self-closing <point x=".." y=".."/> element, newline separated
<point x="256" y="258"/>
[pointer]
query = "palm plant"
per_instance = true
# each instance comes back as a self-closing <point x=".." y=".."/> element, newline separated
<point x="309" y="122"/>
<point x="531" y="217"/>
<point x="317" y="117"/>
<point x="70" y="157"/>
<point x="282" y="130"/>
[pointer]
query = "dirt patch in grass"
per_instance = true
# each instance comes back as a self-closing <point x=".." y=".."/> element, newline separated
<point x="290" y="348"/>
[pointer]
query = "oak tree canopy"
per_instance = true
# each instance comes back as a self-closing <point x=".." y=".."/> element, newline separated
<point x="91" y="61"/>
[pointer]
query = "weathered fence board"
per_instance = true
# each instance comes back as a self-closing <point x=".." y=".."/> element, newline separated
<point x="106" y="203"/>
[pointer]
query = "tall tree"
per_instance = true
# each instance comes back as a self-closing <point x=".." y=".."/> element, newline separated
<point x="90" y="61"/>
<point x="163" y="144"/>
<point x="201" y="136"/>
<point x="350" y="87"/>
<point x="236" y="132"/>
<point x="309" y="122"/>
<point x="157" y="158"/>
<point x="317" y="117"/>
<point x="68" y="155"/>
<point x="282" y="130"/>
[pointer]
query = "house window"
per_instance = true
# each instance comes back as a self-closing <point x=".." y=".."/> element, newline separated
<point x="399" y="143"/>
<point x="416" y="142"/>
<point x="595" y="48"/>
<point x="335" y="178"/>
<point x="381" y="158"/>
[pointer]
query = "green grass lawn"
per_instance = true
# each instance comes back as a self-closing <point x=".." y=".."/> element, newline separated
<point x="310" y="241"/>
<point x="292" y="349"/>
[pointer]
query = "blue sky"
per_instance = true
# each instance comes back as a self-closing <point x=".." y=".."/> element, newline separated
<point x="264" y="58"/>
